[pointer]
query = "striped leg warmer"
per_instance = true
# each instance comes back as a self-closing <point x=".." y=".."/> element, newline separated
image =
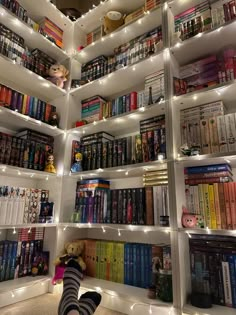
<point x="87" y="303"/>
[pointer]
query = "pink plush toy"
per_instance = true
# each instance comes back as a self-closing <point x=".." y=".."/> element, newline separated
<point x="190" y="220"/>
<point x="58" y="75"/>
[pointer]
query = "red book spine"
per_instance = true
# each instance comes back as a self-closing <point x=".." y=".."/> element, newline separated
<point x="226" y="12"/>
<point x="133" y="100"/>
<point x="3" y="94"/>
<point x="233" y="212"/>
<point x="206" y="180"/>
<point x="8" y="98"/>
<point x="227" y="206"/>
<point x="232" y="9"/>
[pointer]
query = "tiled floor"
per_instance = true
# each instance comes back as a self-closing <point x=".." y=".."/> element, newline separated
<point x="43" y="305"/>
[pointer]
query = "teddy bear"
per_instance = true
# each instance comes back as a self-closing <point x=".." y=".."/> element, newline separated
<point x="58" y="75"/>
<point x="72" y="250"/>
<point x="112" y="20"/>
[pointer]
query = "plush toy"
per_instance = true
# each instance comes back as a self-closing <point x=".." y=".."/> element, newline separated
<point x="112" y="20"/>
<point x="190" y="220"/>
<point x="58" y="75"/>
<point x="72" y="250"/>
<point x="49" y="167"/>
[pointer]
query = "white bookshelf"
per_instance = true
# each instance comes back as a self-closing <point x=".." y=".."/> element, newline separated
<point x="63" y="184"/>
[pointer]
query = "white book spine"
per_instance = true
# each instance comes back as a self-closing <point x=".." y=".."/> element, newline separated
<point x="222" y="134"/>
<point x="227" y="283"/>
<point x="230" y="132"/>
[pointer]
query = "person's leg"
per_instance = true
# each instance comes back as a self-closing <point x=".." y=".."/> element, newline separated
<point x="69" y="303"/>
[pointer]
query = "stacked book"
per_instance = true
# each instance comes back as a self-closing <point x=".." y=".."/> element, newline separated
<point x="52" y="30"/>
<point x="93" y="108"/>
<point x="152" y="4"/>
<point x="20" y="205"/>
<point x="25" y="104"/>
<point x="134" y="15"/>
<point x="213" y="274"/>
<point x="211" y="192"/>
<point x="154" y="90"/>
<point x="126" y="263"/>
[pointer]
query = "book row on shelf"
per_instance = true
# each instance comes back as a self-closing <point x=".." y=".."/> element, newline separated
<point x="97" y="203"/>
<point x="103" y="150"/>
<point x="13" y="46"/>
<point x="24" y="256"/>
<point x="20" y="205"/>
<point x="203" y="17"/>
<point x="127" y="54"/>
<point x="210" y="197"/>
<point x="97" y="108"/>
<point x="206" y="72"/>
<point x="213" y="272"/>
<point x="28" y="149"/>
<point x="45" y="26"/>
<point x="207" y="129"/>
<point x="134" y="264"/>
<point x="27" y="105"/>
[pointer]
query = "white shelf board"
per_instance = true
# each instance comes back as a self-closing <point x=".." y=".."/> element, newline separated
<point x="215" y="310"/>
<point x="134" y="170"/>
<point x="224" y="92"/>
<point x="121" y="79"/>
<point x="28" y="225"/>
<point x="121" y="124"/>
<point x="32" y="38"/>
<point x="8" y="170"/>
<point x="208" y="231"/>
<point x="121" y="227"/>
<point x="105" y="46"/>
<point x="208" y="159"/>
<point x="15" y="121"/>
<point x="29" y="81"/>
<point x="92" y="20"/>
<point x="127" y="292"/>
<point x="19" y="283"/>
<point x="46" y="8"/>
<point x="211" y="42"/>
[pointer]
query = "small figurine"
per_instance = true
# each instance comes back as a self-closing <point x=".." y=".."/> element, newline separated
<point x="76" y="166"/>
<point x="58" y="75"/>
<point x="192" y="151"/>
<point x="191" y="220"/>
<point x="49" y="167"/>
<point x="54" y="119"/>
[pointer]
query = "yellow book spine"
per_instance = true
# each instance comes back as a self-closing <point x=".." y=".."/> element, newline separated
<point x="24" y="104"/>
<point x="212" y="207"/>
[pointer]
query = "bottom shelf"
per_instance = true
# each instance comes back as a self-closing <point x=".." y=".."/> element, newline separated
<point x="126" y="299"/>
<point x="215" y="310"/>
<point x="13" y="291"/>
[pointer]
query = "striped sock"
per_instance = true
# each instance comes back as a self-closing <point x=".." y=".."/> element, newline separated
<point x="87" y="303"/>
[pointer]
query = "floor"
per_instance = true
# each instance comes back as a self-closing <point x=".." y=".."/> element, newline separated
<point x="44" y="305"/>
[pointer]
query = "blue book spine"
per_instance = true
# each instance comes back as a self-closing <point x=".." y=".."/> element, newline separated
<point x="138" y="265"/>
<point x="131" y="265"/>
<point x="35" y="107"/>
<point x="38" y="112"/>
<point x="232" y="271"/>
<point x="124" y="103"/>
<point x="207" y="169"/>
<point x="142" y="265"/>
<point x="126" y="264"/>
<point x="1" y="258"/>
<point x="13" y="260"/>
<point x="31" y="107"/>
<point x="113" y="108"/>
<point x="127" y="99"/>
<point x="135" y="282"/>
<point x="4" y="260"/>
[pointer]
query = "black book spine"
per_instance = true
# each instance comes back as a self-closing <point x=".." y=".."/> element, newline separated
<point x="124" y="206"/>
<point x="120" y="208"/>
<point x="114" y="206"/>
<point x="99" y="155"/>
<point x="119" y="152"/>
<point x="115" y="153"/>
<point x="134" y="206"/>
<point x="105" y="155"/>
<point x="110" y="153"/>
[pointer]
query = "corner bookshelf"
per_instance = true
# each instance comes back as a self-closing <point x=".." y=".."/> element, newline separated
<point x="62" y="185"/>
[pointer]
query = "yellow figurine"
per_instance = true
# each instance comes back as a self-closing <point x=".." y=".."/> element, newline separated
<point x="49" y="167"/>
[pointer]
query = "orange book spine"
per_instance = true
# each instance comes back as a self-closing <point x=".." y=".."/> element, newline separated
<point x="217" y="206"/>
<point x="233" y="213"/>
<point x="227" y="206"/>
